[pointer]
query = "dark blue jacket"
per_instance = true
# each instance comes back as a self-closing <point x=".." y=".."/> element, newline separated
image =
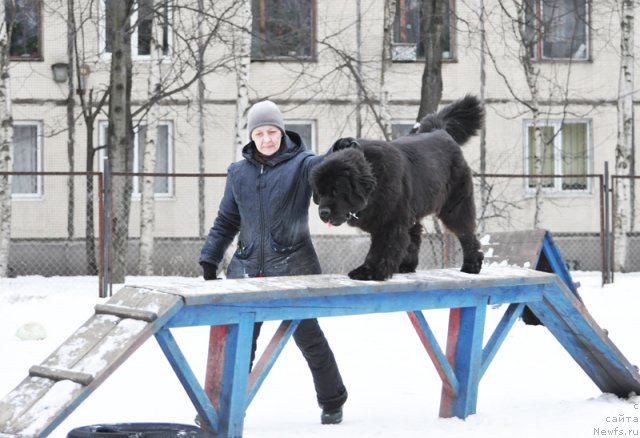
<point x="268" y="204"/>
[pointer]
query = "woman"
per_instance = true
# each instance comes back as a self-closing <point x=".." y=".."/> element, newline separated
<point x="266" y="201"/>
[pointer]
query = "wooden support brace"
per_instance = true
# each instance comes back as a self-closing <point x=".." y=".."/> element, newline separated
<point x="228" y="372"/>
<point x="500" y="333"/>
<point x="434" y="351"/>
<point x="181" y="367"/>
<point x="464" y="352"/>
<point x="269" y="356"/>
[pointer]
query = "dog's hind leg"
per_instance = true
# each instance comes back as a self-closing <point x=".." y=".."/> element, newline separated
<point x="410" y="261"/>
<point x="461" y="220"/>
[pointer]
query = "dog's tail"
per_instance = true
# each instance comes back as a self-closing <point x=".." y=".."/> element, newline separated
<point x="461" y="119"/>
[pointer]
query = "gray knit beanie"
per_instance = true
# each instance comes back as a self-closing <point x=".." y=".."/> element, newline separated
<point x="264" y="113"/>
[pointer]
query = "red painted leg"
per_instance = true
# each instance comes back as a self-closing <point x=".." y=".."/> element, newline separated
<point x="464" y="352"/>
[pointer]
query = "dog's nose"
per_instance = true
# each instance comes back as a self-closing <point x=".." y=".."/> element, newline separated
<point x="325" y="213"/>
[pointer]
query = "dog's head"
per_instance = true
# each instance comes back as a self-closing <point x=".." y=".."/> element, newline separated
<point x="341" y="186"/>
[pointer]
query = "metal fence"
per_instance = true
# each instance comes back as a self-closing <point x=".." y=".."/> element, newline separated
<point x="49" y="234"/>
<point x="56" y="224"/>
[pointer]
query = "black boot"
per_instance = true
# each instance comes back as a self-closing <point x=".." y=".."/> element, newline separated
<point x="333" y="416"/>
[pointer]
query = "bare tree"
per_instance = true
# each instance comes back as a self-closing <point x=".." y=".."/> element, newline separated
<point x="201" y="50"/>
<point x="625" y="140"/>
<point x="433" y="12"/>
<point x="147" y="206"/>
<point x="522" y="22"/>
<point x="71" y="121"/>
<point x="92" y="100"/>
<point x="6" y="140"/>
<point x="120" y="147"/>
<point x="385" y="66"/>
<point x="242" y="49"/>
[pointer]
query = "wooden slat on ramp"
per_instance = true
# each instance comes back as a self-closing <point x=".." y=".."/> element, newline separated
<point x="63" y="380"/>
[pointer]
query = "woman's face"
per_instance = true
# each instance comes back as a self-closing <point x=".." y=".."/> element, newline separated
<point x="267" y="139"/>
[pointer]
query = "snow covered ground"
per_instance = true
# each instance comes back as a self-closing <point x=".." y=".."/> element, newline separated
<point x="532" y="389"/>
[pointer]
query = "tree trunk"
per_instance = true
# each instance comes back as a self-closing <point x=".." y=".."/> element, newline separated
<point x="147" y="210"/>
<point x="532" y="73"/>
<point x="120" y="147"/>
<point x="6" y="140"/>
<point x="71" y="123"/>
<point x="242" y="41"/>
<point x="484" y="188"/>
<point x="90" y="243"/>
<point x="387" y="62"/>
<point x="201" y="122"/>
<point x="432" y="26"/>
<point x="625" y="140"/>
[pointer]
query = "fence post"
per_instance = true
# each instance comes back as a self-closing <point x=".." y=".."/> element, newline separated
<point x="607" y="268"/>
<point x="106" y="269"/>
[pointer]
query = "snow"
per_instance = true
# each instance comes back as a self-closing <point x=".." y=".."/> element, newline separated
<point x="532" y="388"/>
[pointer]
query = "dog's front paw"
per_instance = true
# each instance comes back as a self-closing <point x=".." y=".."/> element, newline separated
<point x="366" y="273"/>
<point x="474" y="265"/>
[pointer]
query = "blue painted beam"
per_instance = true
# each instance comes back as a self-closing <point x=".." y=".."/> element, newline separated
<point x="269" y="357"/>
<point x="464" y="352"/>
<point x="569" y="321"/>
<point x="183" y="371"/>
<point x="355" y="304"/>
<point x="446" y="373"/>
<point x="239" y="380"/>
<point x="500" y="333"/>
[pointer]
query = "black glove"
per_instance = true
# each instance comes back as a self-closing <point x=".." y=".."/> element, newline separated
<point x="344" y="143"/>
<point x="209" y="271"/>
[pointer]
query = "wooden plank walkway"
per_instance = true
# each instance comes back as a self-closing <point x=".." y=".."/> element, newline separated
<point x="58" y="385"/>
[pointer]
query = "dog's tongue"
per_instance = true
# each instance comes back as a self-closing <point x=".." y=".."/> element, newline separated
<point x="329" y="224"/>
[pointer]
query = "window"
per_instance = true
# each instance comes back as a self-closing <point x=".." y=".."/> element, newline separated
<point x="407" y="31"/>
<point x="398" y="129"/>
<point x="557" y="29"/>
<point x="565" y="152"/>
<point x="26" y="158"/>
<point x="307" y="131"/>
<point x="162" y="185"/>
<point x="26" y="32"/>
<point x="143" y="15"/>
<point x="283" y="29"/>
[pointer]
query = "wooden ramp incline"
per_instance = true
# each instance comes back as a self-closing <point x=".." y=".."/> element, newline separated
<point x="56" y="387"/>
<point x="533" y="249"/>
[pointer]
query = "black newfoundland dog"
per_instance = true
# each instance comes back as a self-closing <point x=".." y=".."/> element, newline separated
<point x="387" y="188"/>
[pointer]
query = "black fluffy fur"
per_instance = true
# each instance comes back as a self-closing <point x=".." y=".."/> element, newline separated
<point x="387" y="188"/>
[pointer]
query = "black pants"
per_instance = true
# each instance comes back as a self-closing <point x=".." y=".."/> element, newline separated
<point x="330" y="390"/>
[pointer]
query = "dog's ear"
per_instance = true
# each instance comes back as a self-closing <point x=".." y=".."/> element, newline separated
<point x="364" y="185"/>
<point x="345" y="143"/>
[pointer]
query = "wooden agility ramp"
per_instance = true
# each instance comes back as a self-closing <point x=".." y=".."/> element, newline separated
<point x="56" y="387"/>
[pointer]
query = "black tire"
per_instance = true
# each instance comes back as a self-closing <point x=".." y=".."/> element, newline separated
<point x="137" y="430"/>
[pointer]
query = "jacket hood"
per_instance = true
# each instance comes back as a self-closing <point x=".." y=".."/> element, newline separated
<point x="292" y="144"/>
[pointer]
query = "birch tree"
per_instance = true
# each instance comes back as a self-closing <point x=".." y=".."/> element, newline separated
<point x="6" y="141"/>
<point x="385" y="66"/>
<point x="201" y="50"/>
<point x="625" y="138"/>
<point x="242" y="47"/>
<point x="71" y="121"/>
<point x="147" y="206"/>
